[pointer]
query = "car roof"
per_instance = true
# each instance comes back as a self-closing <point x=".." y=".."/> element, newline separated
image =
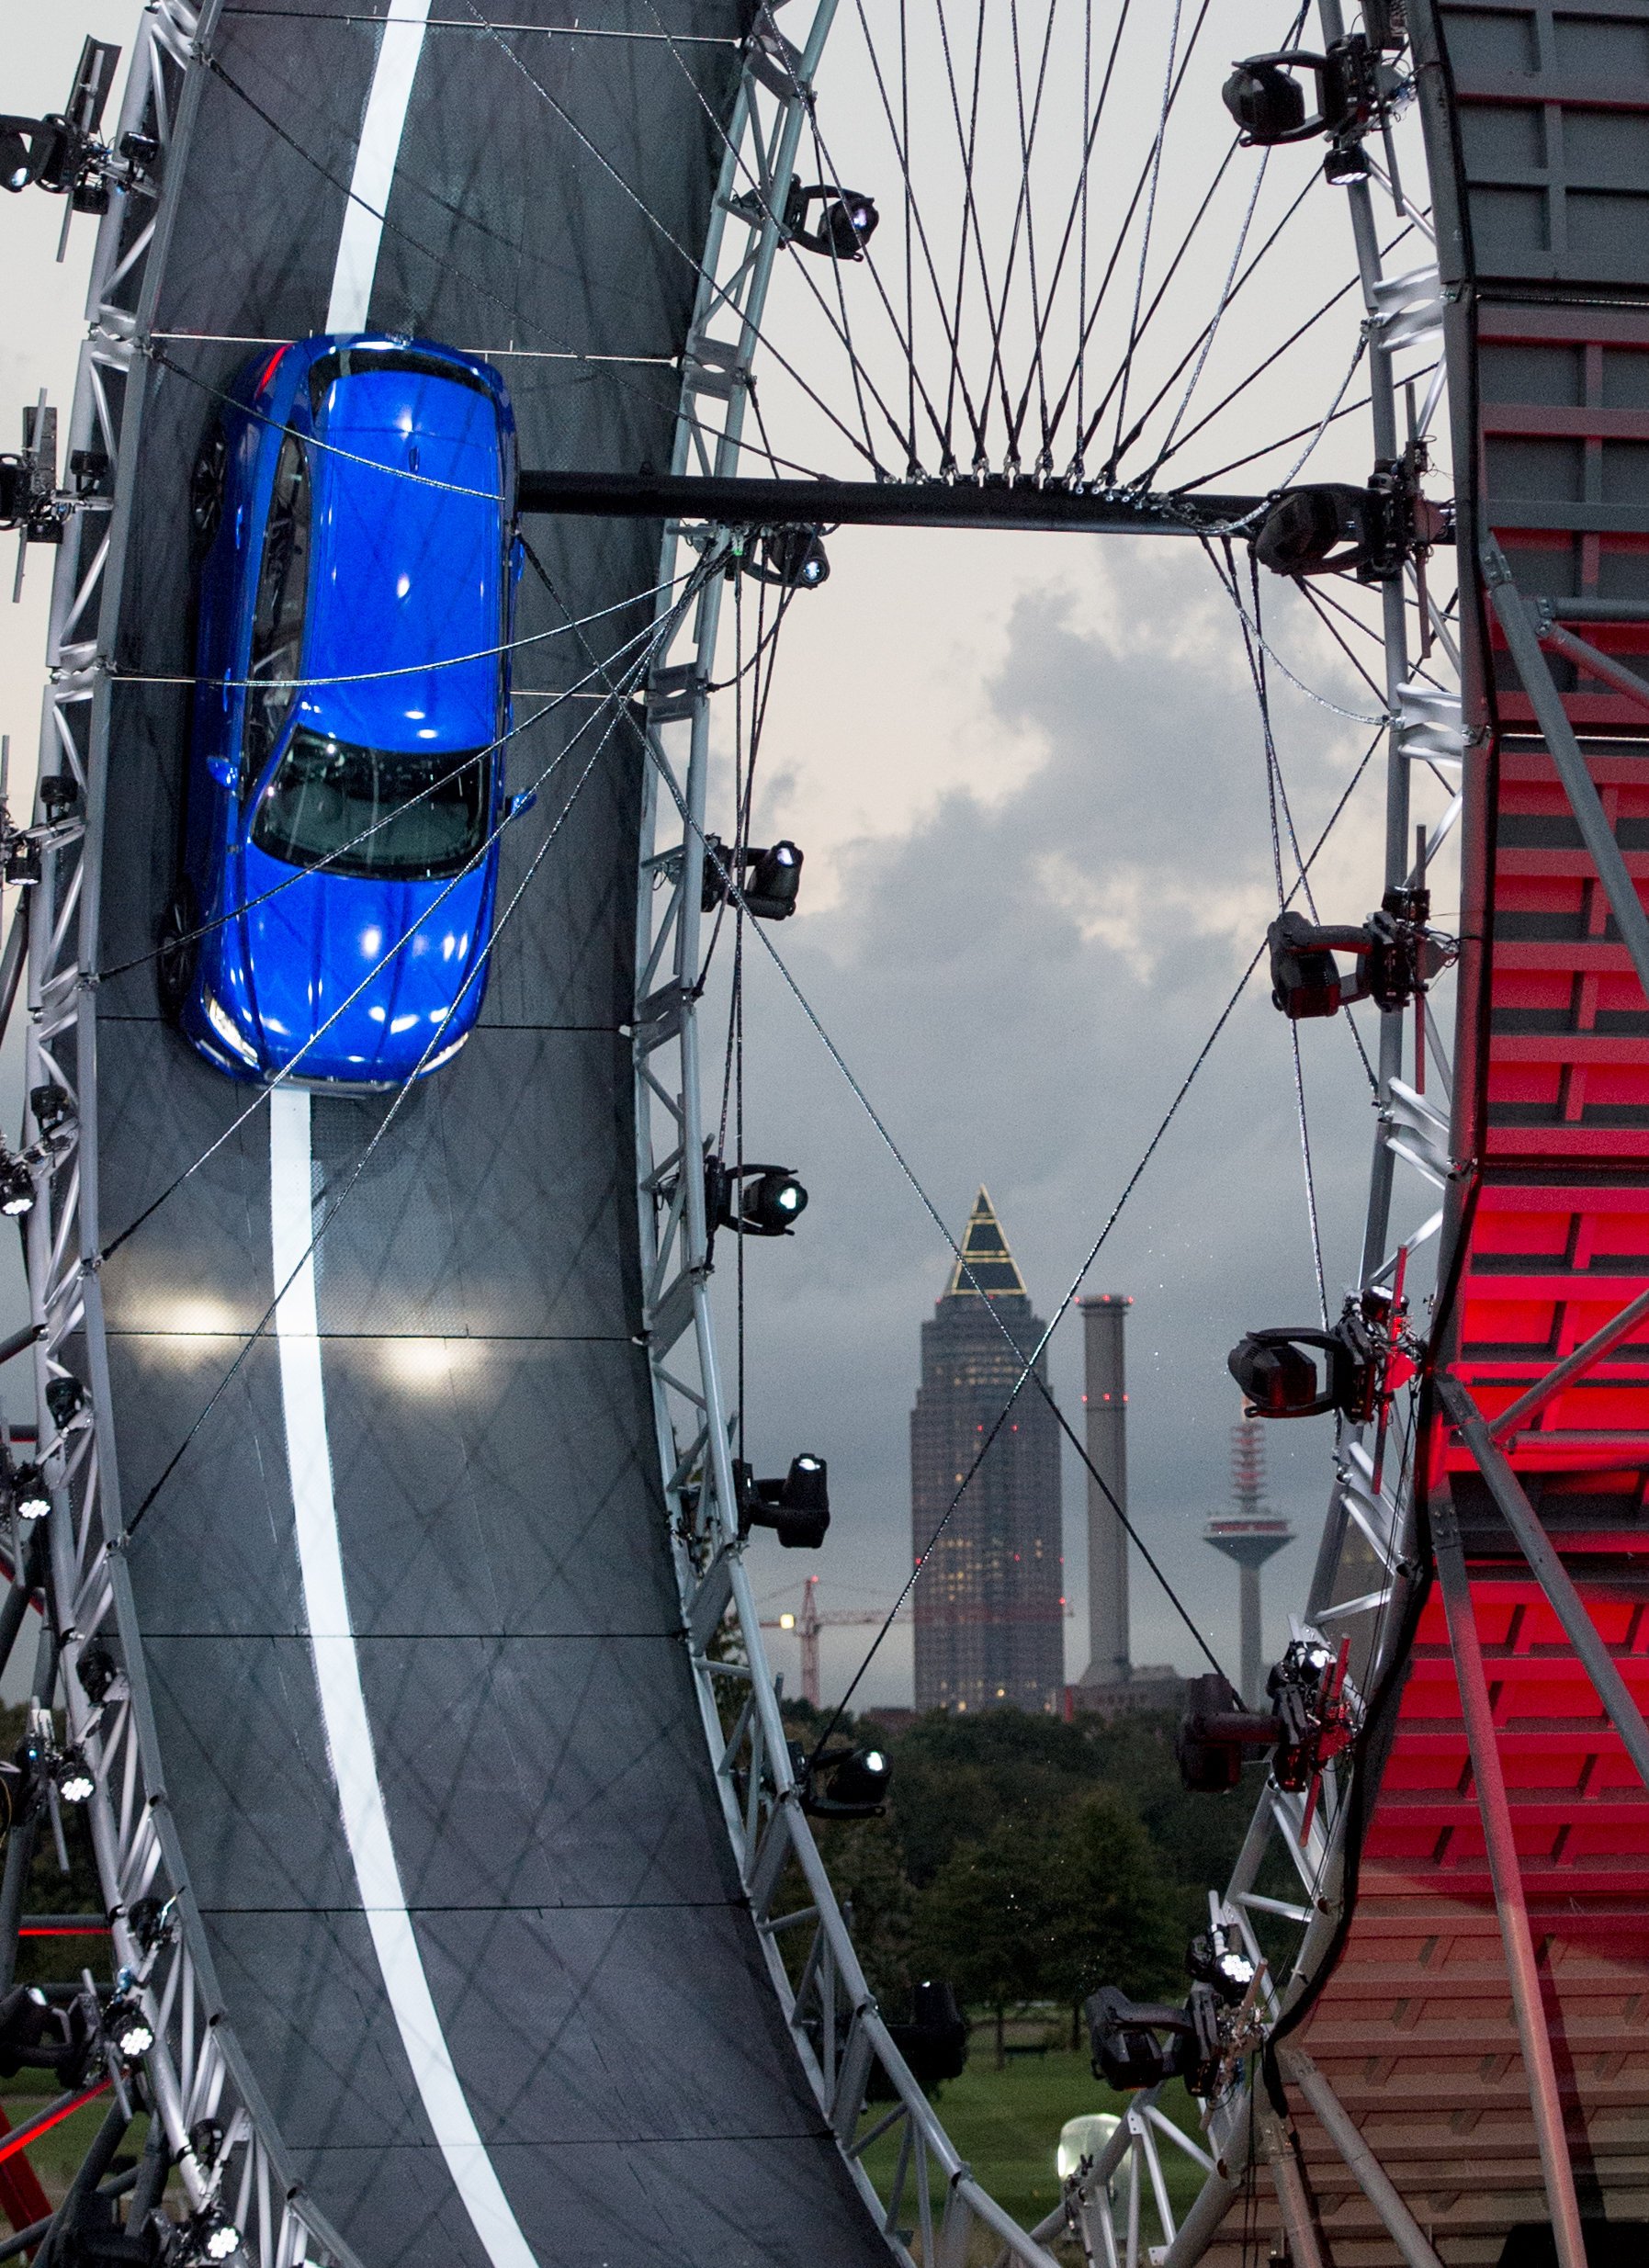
<point x="407" y="545"/>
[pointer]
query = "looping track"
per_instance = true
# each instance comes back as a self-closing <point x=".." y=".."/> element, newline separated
<point x="467" y="1965"/>
<point x="410" y="1696"/>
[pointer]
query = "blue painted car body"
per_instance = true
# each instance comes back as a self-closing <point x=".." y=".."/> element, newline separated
<point x="341" y="850"/>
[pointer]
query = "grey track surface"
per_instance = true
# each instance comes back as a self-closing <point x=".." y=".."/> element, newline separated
<point x="549" y="1798"/>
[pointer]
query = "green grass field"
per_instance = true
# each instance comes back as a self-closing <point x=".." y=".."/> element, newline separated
<point x="1006" y="2124"/>
<point x="57" y="2155"/>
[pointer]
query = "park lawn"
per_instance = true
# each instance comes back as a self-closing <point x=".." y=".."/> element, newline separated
<point x="1006" y="2124"/>
<point x="56" y="2156"/>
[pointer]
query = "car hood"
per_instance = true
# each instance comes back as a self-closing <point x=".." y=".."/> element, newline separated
<point x="307" y="948"/>
<point x="407" y="568"/>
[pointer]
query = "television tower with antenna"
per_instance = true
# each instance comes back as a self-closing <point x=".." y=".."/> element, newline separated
<point x="1250" y="1535"/>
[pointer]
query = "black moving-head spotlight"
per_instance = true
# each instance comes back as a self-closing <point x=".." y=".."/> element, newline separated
<point x="841" y="1783"/>
<point x="1266" y="102"/>
<point x="37" y="2035"/>
<point x="50" y="1106"/>
<point x="792" y="557"/>
<point x="935" y="2042"/>
<point x="769" y="886"/>
<point x="847" y="219"/>
<point x="14" y="162"/>
<point x="771" y="892"/>
<point x="753" y="1201"/>
<point x="1290" y="1371"/>
<point x="24" y="2016"/>
<point x="797" y="1509"/>
<point x="65" y="1398"/>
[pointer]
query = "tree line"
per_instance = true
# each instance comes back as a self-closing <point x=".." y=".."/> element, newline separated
<point x="1025" y="1859"/>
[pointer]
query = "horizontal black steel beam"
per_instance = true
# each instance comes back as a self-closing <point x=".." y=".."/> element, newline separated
<point x="873" y="503"/>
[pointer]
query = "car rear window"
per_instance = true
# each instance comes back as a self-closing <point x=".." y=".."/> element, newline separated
<point x="358" y="361"/>
<point x="368" y="812"/>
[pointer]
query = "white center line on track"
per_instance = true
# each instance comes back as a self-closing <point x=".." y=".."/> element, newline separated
<point x="303" y="1393"/>
<point x="356" y="266"/>
<point x="342" y="1702"/>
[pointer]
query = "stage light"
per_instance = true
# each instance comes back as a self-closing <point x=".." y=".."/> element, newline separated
<point x="31" y="1499"/>
<point x="1279" y="1371"/>
<point x="24" y="2016"/>
<point x="842" y="1783"/>
<point x="1268" y="104"/>
<point x="794" y="557"/>
<point x="935" y="2042"/>
<point x="753" y="1201"/>
<point x="797" y="1509"/>
<point x="769" y="888"/>
<point x="1219" y="1958"/>
<point x="150" y="1921"/>
<point x="15" y="167"/>
<point x="847" y="219"/>
<point x="16" y="1185"/>
<point x="777" y="1200"/>
<point x="96" y="1670"/>
<point x="49" y="1104"/>
<point x="65" y="1398"/>
<point x="73" y="1776"/>
<point x="128" y="2031"/>
<point x="771" y="892"/>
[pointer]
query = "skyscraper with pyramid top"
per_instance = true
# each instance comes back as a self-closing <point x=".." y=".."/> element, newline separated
<point x="989" y="1606"/>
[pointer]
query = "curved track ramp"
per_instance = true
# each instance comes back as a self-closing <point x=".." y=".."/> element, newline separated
<point x="402" y="1613"/>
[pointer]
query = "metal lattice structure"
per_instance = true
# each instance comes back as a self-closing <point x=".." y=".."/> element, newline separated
<point x="1469" y="1873"/>
<point x="207" y="2116"/>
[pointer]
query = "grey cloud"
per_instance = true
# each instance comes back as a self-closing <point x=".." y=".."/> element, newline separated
<point x="1005" y="1042"/>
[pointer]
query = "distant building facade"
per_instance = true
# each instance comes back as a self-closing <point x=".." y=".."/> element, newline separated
<point x="989" y="1607"/>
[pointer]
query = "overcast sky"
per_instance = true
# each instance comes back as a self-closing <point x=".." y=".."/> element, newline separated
<point x="1029" y="779"/>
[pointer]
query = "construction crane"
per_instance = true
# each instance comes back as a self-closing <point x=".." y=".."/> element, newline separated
<point x="809" y="1622"/>
<point x="808" y="1625"/>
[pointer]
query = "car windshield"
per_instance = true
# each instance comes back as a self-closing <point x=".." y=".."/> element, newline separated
<point x="418" y="816"/>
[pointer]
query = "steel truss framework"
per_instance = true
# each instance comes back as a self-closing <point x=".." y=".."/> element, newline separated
<point x="1110" y="2208"/>
<point x="206" y="2121"/>
<point x="839" y="2031"/>
<point x="1381" y="1538"/>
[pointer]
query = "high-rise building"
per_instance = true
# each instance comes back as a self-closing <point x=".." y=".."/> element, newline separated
<point x="989" y="1606"/>
<point x="1249" y="1536"/>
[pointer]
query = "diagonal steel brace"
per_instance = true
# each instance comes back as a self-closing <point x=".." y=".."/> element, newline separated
<point x="1585" y="1357"/>
<point x="1549" y="1571"/>
<point x="1523" y="638"/>
<point x="1595" y="663"/>
<point x="1511" y="1906"/>
<point x="1372" y="2177"/>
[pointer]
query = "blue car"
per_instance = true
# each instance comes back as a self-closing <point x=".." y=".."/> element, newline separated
<point x="353" y="514"/>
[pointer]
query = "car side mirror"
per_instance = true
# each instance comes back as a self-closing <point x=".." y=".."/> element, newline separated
<point x="520" y="805"/>
<point x="226" y="771"/>
<point x="517" y="559"/>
